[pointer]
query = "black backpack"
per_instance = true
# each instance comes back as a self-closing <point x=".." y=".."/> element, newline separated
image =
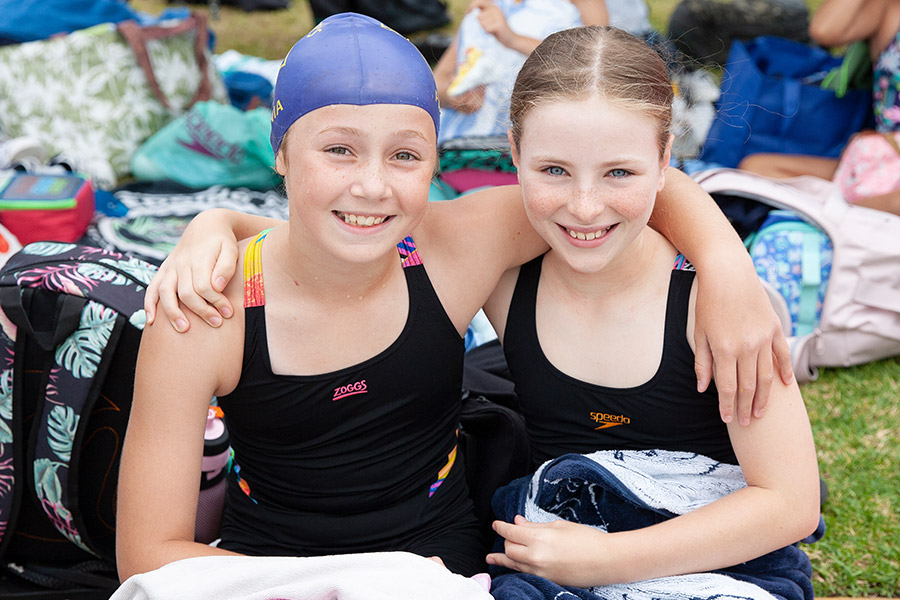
<point x="403" y="16"/>
<point x="493" y="440"/>
<point x="71" y="321"/>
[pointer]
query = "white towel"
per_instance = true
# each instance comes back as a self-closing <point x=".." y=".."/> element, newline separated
<point x="369" y="576"/>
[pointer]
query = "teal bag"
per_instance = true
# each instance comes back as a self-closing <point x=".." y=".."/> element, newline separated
<point x="795" y="258"/>
<point x="211" y="144"/>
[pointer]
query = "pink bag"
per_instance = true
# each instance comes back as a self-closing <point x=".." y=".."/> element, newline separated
<point x="860" y="318"/>
<point x="869" y="166"/>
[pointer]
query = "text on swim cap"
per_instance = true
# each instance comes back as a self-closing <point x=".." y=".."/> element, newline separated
<point x="276" y="109"/>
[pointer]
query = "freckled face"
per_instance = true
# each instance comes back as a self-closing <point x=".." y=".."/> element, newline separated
<point x="357" y="177"/>
<point x="590" y="171"/>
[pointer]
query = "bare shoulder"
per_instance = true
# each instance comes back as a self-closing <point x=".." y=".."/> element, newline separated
<point x="468" y="243"/>
<point x="202" y="357"/>
<point x="490" y="224"/>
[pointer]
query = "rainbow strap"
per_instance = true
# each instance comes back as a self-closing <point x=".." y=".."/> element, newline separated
<point x="254" y="292"/>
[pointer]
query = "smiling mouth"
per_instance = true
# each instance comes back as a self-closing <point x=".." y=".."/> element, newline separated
<point x="360" y="220"/>
<point x="590" y="235"/>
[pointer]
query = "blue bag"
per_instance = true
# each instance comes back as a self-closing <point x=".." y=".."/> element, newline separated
<point x="30" y="20"/>
<point x="772" y="101"/>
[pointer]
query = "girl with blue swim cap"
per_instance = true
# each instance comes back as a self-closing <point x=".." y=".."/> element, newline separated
<point x="340" y="372"/>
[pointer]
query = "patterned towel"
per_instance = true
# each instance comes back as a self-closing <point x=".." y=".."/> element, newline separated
<point x="625" y="490"/>
<point x="157" y="214"/>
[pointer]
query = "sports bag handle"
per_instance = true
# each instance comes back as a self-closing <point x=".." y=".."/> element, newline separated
<point x="67" y="320"/>
<point x="137" y="38"/>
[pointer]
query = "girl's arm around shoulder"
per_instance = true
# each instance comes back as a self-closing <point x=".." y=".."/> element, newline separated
<point x="469" y="242"/>
<point x="197" y="270"/>
<point x="738" y="335"/>
<point x="159" y="478"/>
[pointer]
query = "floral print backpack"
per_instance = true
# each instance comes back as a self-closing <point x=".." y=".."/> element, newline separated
<point x="71" y="322"/>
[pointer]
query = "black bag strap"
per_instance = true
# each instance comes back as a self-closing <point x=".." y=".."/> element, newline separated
<point x="69" y="309"/>
<point x="96" y="574"/>
<point x="63" y="418"/>
<point x="10" y="433"/>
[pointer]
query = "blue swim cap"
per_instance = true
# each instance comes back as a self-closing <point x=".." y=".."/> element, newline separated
<point x="350" y="59"/>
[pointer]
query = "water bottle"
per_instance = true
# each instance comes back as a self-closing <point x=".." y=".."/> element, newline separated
<point x="212" y="481"/>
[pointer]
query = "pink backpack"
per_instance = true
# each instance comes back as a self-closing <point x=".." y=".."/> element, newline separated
<point x="860" y="313"/>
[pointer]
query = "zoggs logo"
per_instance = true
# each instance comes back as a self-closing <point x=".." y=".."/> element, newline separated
<point x="350" y="390"/>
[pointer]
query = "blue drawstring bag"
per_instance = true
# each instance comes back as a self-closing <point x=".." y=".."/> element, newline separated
<point x="772" y="101"/>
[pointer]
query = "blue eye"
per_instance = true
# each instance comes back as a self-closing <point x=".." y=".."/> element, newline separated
<point x="555" y="171"/>
<point x="618" y="173"/>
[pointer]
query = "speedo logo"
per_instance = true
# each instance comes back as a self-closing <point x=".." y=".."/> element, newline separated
<point x="350" y="390"/>
<point x="606" y="420"/>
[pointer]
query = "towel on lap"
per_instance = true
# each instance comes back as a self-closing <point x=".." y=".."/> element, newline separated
<point x="367" y="576"/>
<point x="625" y="490"/>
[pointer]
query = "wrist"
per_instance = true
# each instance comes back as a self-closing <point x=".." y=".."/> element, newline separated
<point x="728" y="261"/>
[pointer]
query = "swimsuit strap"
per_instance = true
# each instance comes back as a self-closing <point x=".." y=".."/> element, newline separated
<point x="254" y="293"/>
<point x="682" y="264"/>
<point x="408" y="253"/>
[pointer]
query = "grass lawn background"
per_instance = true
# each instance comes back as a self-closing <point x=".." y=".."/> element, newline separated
<point x="855" y="412"/>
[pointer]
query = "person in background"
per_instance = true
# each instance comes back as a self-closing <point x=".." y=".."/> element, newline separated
<point x="839" y="23"/>
<point x="481" y="111"/>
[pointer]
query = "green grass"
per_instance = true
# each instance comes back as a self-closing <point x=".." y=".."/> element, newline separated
<point x="855" y="413"/>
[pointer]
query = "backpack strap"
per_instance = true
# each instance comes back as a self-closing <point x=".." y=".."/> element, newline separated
<point x="810" y="281"/>
<point x="13" y="301"/>
<point x="76" y="373"/>
<point x="10" y="441"/>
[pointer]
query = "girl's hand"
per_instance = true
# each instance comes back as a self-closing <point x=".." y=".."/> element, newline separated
<point x="195" y="274"/>
<point x="739" y="341"/>
<point x="563" y="552"/>
<point x="494" y="22"/>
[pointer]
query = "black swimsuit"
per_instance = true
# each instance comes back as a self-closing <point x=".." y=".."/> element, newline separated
<point x="358" y="460"/>
<point x="566" y="415"/>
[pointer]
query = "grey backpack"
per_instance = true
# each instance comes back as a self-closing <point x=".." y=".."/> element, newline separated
<point x="858" y="283"/>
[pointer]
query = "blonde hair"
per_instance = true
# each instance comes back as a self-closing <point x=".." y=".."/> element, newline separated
<point x="578" y="63"/>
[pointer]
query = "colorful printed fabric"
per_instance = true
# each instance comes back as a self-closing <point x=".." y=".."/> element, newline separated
<point x="84" y="95"/>
<point x="408" y="253"/>
<point x="869" y="166"/>
<point x="254" y="291"/>
<point x="110" y="285"/>
<point x="886" y="92"/>
<point x="442" y="474"/>
<point x="682" y="264"/>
